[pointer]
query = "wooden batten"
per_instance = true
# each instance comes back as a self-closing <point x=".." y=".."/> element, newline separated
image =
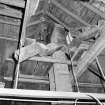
<point x="70" y="13"/>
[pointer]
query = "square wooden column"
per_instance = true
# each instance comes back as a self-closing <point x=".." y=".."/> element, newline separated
<point x="59" y="75"/>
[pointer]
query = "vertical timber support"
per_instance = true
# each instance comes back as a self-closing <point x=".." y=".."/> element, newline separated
<point x="59" y="75"/>
<point x="29" y="10"/>
<point x="62" y="74"/>
<point x="22" y="39"/>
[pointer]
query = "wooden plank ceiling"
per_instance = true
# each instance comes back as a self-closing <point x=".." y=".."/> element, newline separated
<point x="72" y="14"/>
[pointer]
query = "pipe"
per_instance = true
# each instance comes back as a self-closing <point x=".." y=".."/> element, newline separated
<point x="48" y="96"/>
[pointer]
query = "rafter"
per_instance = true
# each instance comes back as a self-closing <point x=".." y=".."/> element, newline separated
<point x="57" y="20"/>
<point x="91" y="54"/>
<point x="70" y="13"/>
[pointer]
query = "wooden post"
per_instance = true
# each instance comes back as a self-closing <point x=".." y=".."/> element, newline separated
<point x="28" y="12"/>
<point x="62" y="74"/>
<point x="59" y="75"/>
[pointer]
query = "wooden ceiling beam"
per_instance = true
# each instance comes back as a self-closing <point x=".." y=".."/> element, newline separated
<point x="70" y="13"/>
<point x="46" y="59"/>
<point x="57" y="20"/>
<point x="51" y="60"/>
<point x="91" y="54"/>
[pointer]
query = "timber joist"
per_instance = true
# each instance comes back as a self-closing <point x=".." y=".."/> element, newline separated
<point x="78" y="14"/>
<point x="51" y="60"/>
<point x="83" y="14"/>
<point x="64" y="16"/>
<point x="71" y="14"/>
<point x="91" y="53"/>
<point x="31" y="51"/>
